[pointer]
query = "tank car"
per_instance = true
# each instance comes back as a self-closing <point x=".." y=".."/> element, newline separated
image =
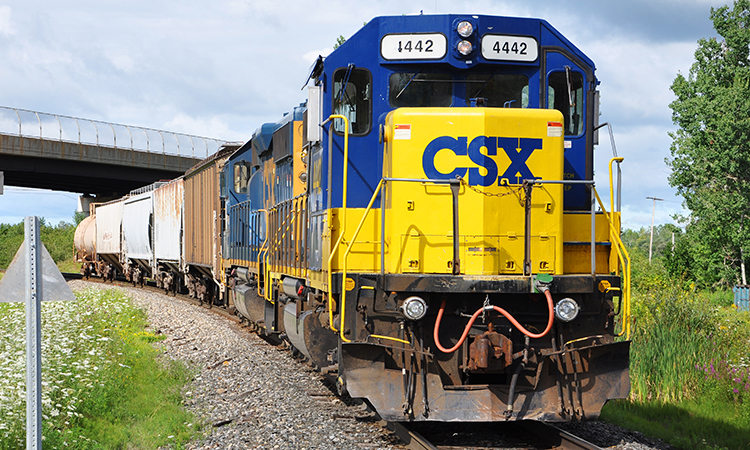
<point x="426" y="227"/>
<point x="108" y="225"/>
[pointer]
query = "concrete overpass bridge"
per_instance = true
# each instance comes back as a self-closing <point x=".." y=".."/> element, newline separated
<point x="107" y="160"/>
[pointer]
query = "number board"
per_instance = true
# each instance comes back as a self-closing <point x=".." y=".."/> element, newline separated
<point x="497" y="47"/>
<point x="413" y="46"/>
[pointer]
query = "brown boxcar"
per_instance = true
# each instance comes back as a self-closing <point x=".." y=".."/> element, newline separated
<point x="202" y="226"/>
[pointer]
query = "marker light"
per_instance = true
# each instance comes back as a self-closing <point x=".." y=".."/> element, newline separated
<point x="464" y="29"/>
<point x="464" y="48"/>
<point x="414" y="308"/>
<point x="567" y="309"/>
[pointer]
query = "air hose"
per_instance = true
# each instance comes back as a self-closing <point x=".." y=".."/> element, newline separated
<point x="505" y="313"/>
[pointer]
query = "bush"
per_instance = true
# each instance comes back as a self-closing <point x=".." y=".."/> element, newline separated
<point x="58" y="240"/>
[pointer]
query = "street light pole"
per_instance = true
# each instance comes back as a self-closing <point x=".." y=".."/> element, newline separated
<point x="651" y="243"/>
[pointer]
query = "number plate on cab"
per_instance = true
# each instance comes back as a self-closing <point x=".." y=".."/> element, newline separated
<point x="413" y="46"/>
<point x="497" y="47"/>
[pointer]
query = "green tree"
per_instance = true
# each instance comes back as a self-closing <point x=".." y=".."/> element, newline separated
<point x="339" y="42"/>
<point x="662" y="245"/>
<point x="711" y="148"/>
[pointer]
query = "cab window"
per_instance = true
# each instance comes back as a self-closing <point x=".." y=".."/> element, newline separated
<point x="241" y="177"/>
<point x="352" y="98"/>
<point x="565" y="94"/>
<point x="420" y="89"/>
<point x="504" y="90"/>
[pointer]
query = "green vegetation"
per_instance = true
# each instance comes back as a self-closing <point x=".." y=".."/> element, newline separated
<point x="104" y="386"/>
<point x="339" y="42"/>
<point x="711" y="152"/>
<point x="690" y="356"/>
<point x="57" y="239"/>
<point x="689" y="370"/>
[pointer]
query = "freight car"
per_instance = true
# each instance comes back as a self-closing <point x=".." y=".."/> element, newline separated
<point x="426" y="227"/>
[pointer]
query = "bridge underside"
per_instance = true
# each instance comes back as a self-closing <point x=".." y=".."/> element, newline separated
<point x="86" y="169"/>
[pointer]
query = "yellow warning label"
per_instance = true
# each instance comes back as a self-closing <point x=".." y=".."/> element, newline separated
<point x="349" y="284"/>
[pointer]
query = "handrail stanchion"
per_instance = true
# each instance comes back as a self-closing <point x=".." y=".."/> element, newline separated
<point x="593" y="231"/>
<point x="97" y="132"/>
<point x="619" y="159"/>
<point x="349" y="249"/>
<point x="59" y="125"/>
<point x="625" y="261"/>
<point x="78" y="125"/>
<point x="131" y="137"/>
<point x="40" y="125"/>
<point x="163" y="145"/>
<point x="114" y="134"/>
<point x="342" y="228"/>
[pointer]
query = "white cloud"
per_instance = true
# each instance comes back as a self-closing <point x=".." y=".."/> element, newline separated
<point x="222" y="69"/>
<point x="122" y="61"/>
<point x="7" y="27"/>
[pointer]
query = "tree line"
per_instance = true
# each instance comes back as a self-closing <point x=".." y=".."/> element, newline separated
<point x="710" y="153"/>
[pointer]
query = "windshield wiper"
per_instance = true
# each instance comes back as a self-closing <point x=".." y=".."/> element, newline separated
<point x="476" y="94"/>
<point x="407" y="84"/>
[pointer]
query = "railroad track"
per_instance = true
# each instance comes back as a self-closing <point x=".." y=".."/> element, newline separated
<point x="524" y="435"/>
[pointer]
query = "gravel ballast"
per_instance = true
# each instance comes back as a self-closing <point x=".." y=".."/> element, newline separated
<point x="256" y="395"/>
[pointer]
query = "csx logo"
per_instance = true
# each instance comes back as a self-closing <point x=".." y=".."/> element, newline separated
<point x="517" y="149"/>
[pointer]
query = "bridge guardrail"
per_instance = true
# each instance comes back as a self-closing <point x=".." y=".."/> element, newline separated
<point x="24" y="123"/>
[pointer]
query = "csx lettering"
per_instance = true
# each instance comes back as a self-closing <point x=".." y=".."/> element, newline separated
<point x="518" y="151"/>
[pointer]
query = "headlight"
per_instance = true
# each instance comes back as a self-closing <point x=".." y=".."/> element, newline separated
<point x="567" y="309"/>
<point x="414" y="308"/>
<point x="464" y="29"/>
<point x="464" y="48"/>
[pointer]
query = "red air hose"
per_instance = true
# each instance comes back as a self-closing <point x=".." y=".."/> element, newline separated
<point x="501" y="311"/>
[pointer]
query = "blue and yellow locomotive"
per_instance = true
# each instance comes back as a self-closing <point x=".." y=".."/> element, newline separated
<point x="425" y="227"/>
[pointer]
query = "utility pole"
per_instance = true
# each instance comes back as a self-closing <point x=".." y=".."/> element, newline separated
<point x="651" y="243"/>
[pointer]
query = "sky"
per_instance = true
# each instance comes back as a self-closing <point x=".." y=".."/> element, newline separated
<point x="221" y="69"/>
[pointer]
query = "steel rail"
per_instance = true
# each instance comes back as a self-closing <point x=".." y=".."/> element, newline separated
<point x="542" y="436"/>
<point x="412" y="439"/>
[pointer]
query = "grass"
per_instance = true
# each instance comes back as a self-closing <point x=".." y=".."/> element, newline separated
<point x="104" y="385"/>
<point x="690" y="365"/>
<point x="686" y="424"/>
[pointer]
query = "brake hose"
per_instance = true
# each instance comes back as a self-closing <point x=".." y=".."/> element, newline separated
<point x="501" y="311"/>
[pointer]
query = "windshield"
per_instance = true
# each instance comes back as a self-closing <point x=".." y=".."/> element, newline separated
<point x="504" y="90"/>
<point x="418" y="89"/>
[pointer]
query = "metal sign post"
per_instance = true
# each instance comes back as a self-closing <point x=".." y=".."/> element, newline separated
<point x="33" y="336"/>
<point x="33" y="275"/>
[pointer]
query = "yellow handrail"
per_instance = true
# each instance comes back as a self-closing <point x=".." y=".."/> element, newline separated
<point x="260" y="252"/>
<point x="622" y="254"/>
<point x="611" y="184"/>
<point x="343" y="213"/>
<point x="346" y="255"/>
<point x="378" y="336"/>
<point x="267" y="272"/>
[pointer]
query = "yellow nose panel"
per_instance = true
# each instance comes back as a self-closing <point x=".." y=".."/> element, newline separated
<point x="492" y="151"/>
